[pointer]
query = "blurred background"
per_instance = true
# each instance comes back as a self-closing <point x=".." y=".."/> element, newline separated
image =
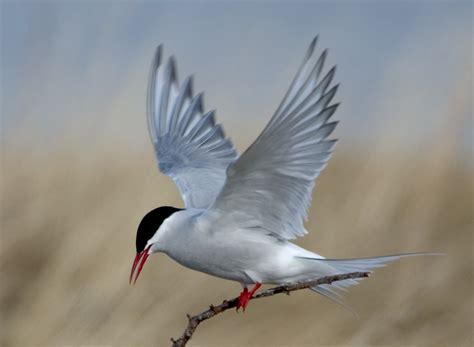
<point x="78" y="170"/>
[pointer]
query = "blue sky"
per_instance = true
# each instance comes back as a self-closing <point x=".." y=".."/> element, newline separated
<point x="402" y="65"/>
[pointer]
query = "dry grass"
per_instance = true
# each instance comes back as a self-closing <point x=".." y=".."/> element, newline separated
<point x="68" y="225"/>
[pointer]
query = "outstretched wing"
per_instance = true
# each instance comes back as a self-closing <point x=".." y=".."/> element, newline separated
<point x="269" y="187"/>
<point x="189" y="146"/>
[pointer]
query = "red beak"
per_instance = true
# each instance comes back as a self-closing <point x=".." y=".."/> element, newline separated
<point x="139" y="261"/>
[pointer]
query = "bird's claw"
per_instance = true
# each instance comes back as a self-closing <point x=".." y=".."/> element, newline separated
<point x="245" y="297"/>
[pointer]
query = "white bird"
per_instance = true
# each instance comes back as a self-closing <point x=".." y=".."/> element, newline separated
<point x="242" y="211"/>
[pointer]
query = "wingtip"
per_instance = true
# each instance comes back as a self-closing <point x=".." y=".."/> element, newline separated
<point x="172" y="60"/>
<point x="319" y="64"/>
<point x="312" y="45"/>
<point x="158" y="54"/>
<point x="172" y="66"/>
<point x="332" y="109"/>
<point x="326" y="81"/>
<point x="324" y="54"/>
<point x="188" y="83"/>
<point x="331" y="126"/>
<point x="191" y="83"/>
<point x="329" y="95"/>
<point x="200" y="101"/>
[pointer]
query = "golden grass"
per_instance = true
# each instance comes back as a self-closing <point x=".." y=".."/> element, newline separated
<point x="69" y="218"/>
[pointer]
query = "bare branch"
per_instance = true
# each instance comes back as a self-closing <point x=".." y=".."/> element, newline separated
<point x="194" y="321"/>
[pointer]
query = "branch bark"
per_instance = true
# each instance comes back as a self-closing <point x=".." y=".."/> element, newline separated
<point x="194" y="321"/>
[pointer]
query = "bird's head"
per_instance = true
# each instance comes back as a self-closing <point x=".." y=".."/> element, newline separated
<point x="147" y="235"/>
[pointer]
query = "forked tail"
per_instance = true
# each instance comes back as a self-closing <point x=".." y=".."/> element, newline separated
<point x="340" y="266"/>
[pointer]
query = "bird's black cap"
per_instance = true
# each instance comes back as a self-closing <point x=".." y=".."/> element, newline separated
<point x="150" y="224"/>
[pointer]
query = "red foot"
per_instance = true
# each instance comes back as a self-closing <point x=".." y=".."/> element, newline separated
<point x="245" y="296"/>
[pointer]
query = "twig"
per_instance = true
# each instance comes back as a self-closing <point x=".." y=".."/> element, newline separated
<point x="194" y="321"/>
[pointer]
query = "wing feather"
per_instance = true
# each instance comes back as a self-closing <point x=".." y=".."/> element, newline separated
<point x="188" y="144"/>
<point x="269" y="187"/>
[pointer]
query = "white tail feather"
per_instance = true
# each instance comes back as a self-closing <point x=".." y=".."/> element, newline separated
<point x="341" y="266"/>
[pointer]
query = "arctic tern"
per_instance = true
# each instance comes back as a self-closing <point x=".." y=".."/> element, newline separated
<point x="242" y="211"/>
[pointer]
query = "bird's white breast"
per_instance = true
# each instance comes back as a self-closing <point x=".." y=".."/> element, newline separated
<point x="243" y="255"/>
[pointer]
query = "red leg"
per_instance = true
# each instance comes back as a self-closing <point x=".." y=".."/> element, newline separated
<point x="245" y="296"/>
<point x="257" y="285"/>
<point x="242" y="298"/>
